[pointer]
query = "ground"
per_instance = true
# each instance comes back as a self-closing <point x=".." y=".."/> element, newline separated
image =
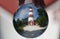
<point x="33" y="28"/>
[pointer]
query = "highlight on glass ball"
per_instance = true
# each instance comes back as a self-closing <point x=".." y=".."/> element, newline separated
<point x="30" y="21"/>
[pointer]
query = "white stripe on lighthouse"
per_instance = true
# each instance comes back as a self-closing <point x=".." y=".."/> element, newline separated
<point x="30" y="13"/>
<point x="30" y="19"/>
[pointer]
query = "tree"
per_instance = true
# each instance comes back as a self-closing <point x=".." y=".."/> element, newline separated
<point x="19" y="22"/>
<point x="43" y="18"/>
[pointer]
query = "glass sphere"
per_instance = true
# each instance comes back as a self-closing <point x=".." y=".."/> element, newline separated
<point x="30" y="21"/>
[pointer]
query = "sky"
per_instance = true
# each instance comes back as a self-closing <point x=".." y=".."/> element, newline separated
<point x="23" y="11"/>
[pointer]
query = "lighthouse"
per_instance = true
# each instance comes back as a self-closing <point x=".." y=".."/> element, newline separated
<point x="32" y="25"/>
<point x="30" y="17"/>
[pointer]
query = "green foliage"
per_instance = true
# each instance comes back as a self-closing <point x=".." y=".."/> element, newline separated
<point x="43" y="18"/>
<point x="20" y="27"/>
<point x="20" y="23"/>
<point x="25" y="21"/>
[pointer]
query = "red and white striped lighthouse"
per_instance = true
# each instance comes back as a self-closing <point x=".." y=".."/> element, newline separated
<point x="30" y="17"/>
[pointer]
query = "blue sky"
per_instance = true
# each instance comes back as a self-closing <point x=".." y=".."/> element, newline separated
<point x="23" y="11"/>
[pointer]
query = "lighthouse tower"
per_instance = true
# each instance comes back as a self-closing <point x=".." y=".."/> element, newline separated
<point x="30" y="17"/>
